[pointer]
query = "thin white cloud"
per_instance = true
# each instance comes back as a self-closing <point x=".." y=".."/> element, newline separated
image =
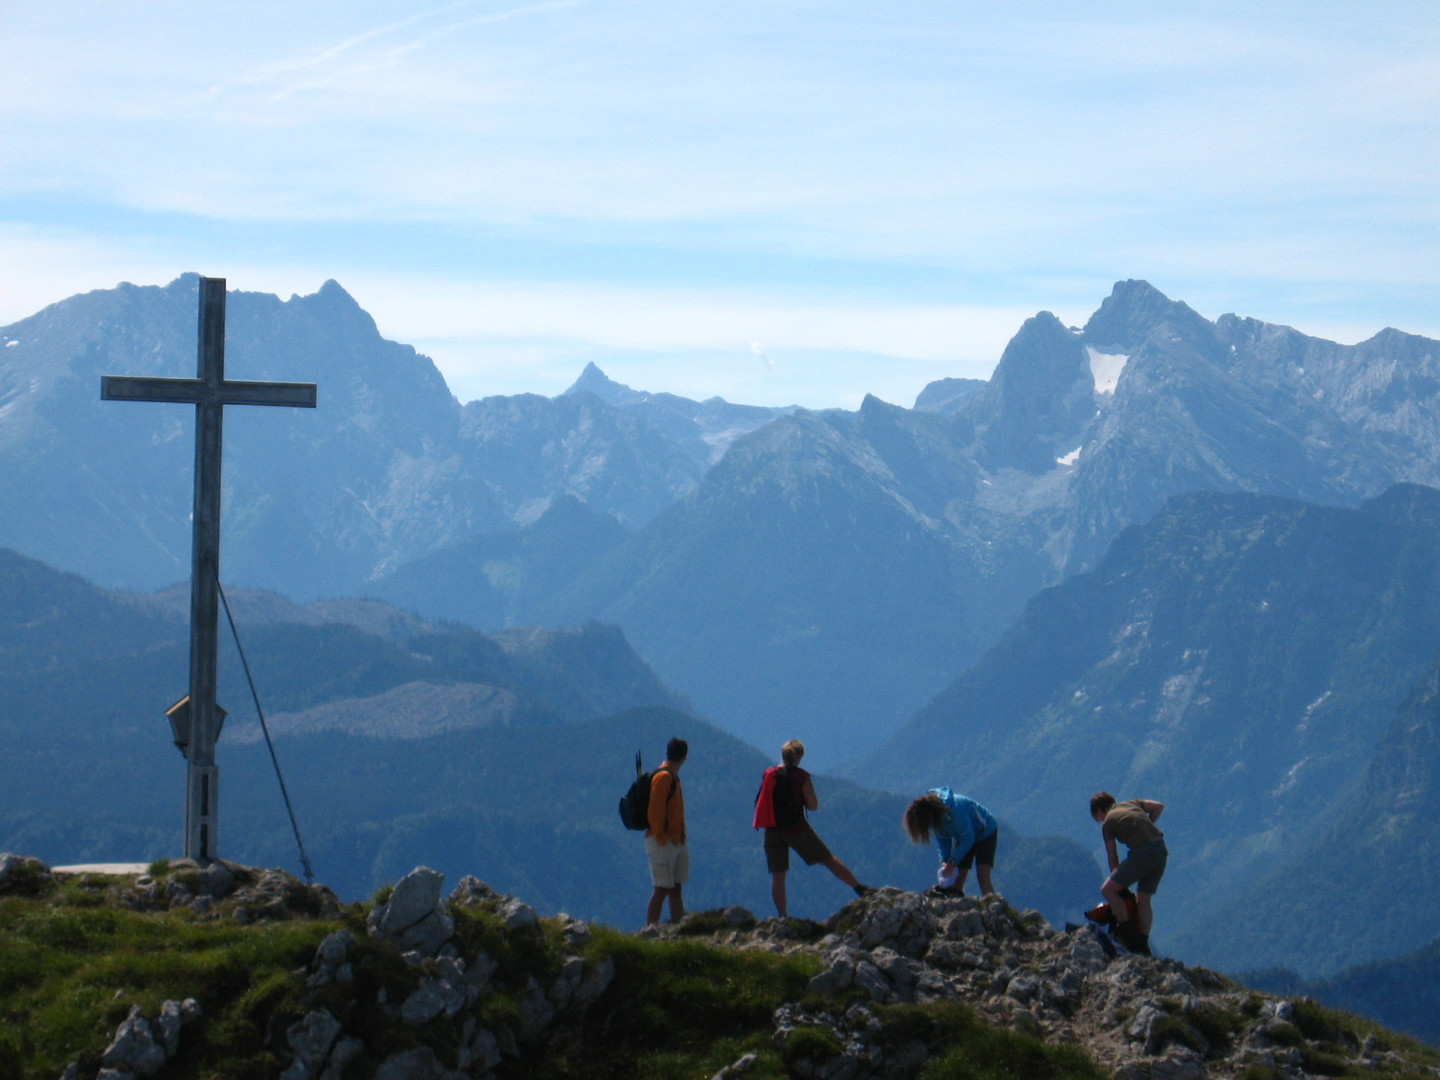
<point x="279" y="77"/>
<point x="952" y="121"/>
<point x="347" y="64"/>
<point x="1276" y="159"/>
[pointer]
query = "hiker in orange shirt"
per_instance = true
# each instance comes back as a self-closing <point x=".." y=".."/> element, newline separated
<point x="665" y="838"/>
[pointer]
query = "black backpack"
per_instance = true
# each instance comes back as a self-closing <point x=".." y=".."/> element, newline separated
<point x="788" y="810"/>
<point x="783" y="800"/>
<point x="635" y="803"/>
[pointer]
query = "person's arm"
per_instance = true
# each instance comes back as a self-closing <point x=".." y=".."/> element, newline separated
<point x="965" y="819"/>
<point x="1152" y="808"/>
<point x="658" y="817"/>
<point x="1110" y="855"/>
<point x="945" y="845"/>
<point x="807" y="795"/>
<point x="954" y="846"/>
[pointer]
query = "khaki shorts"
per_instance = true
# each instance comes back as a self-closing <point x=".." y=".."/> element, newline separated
<point x="806" y="843"/>
<point x="1143" y="867"/>
<point x="669" y="863"/>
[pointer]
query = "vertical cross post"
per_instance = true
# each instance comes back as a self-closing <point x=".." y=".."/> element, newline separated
<point x="202" y="776"/>
<point x="210" y="393"/>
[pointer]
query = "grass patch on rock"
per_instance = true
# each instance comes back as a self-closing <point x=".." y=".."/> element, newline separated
<point x="535" y="950"/>
<point x="70" y="972"/>
<point x="678" y="1009"/>
<point x="816" y="1044"/>
<point x="963" y="1045"/>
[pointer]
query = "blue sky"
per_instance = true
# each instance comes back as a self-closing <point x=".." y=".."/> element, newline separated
<point x="777" y="202"/>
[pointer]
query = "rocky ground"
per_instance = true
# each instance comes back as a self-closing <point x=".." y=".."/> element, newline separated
<point x="1139" y="1018"/>
<point x="1135" y="1018"/>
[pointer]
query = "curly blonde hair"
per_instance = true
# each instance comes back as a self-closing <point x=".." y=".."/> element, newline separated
<point x="922" y="816"/>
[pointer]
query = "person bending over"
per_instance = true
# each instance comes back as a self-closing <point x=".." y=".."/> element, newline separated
<point x="964" y="832"/>
<point x="1132" y="823"/>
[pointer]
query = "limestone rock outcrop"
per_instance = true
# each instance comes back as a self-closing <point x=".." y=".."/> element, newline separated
<point x="142" y="1045"/>
<point x="432" y="987"/>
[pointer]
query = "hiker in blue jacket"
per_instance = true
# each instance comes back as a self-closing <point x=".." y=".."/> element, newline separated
<point x="964" y="832"/>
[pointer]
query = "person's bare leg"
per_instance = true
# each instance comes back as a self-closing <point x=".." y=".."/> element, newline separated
<point x="777" y="893"/>
<point x="652" y="911"/>
<point x="677" y="904"/>
<point x="1111" y="891"/>
<point x="982" y="875"/>
<point x="840" y="870"/>
<point x="1146" y="913"/>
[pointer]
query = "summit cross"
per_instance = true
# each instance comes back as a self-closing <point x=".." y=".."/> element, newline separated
<point x="209" y="392"/>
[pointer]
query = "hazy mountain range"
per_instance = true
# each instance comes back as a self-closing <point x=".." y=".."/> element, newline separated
<point x="826" y="574"/>
<point x="403" y="743"/>
<point x="389" y="466"/>
<point x="1173" y="557"/>
<point x="1239" y="657"/>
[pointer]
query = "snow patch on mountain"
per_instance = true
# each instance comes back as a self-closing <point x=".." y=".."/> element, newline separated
<point x="719" y="441"/>
<point x="1105" y="369"/>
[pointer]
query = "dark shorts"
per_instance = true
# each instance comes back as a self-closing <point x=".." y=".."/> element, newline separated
<point x="1144" y="865"/>
<point x="982" y="851"/>
<point x="806" y="843"/>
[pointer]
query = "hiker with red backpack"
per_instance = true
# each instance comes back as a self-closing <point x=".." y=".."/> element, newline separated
<point x="1132" y="823"/>
<point x="786" y="793"/>
<point x="964" y="833"/>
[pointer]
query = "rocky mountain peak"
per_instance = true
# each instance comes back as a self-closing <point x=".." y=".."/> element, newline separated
<point x="333" y="290"/>
<point x="602" y="386"/>
<point x="1040" y="401"/>
<point x="331" y="302"/>
<point x="1391" y="338"/>
<point x="874" y="406"/>
<point x="1135" y="311"/>
<point x="947" y="395"/>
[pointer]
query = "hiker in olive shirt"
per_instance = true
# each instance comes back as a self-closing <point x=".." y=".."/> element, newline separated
<point x="1132" y="823"/>
<point x="665" y="838"/>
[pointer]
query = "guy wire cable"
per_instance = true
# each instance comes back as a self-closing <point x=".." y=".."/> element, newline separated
<point x="304" y="858"/>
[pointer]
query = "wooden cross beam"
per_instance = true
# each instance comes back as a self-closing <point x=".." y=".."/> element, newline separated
<point x="209" y="392"/>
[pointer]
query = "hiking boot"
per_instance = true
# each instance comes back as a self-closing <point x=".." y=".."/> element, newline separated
<point x="1131" y="938"/>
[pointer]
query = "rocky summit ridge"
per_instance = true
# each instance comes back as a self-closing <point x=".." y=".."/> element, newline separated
<point x="424" y="986"/>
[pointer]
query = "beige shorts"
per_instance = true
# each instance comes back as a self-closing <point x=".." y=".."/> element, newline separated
<point x="669" y="863"/>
